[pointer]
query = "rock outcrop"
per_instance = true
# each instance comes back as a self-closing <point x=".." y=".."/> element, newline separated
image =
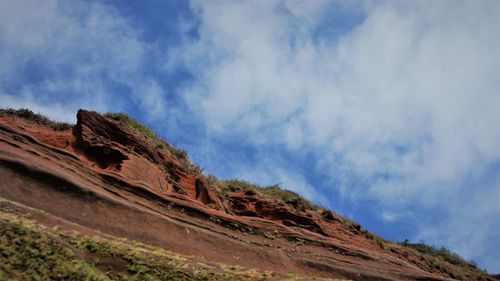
<point x="102" y="176"/>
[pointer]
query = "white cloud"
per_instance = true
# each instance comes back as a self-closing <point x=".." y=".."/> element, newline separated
<point x="150" y="97"/>
<point x="406" y="103"/>
<point x="84" y="52"/>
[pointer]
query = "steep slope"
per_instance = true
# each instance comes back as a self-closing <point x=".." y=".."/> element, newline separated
<point x="110" y="176"/>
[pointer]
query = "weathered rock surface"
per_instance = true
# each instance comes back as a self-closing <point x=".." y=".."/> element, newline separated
<point x="101" y="176"/>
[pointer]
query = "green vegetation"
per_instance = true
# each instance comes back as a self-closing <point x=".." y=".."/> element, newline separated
<point x="29" y="254"/>
<point x="37" y="118"/>
<point x="30" y="251"/>
<point x="443" y="260"/>
<point x="235" y="185"/>
<point x="288" y="197"/>
<point x="281" y="195"/>
<point x="284" y="196"/>
<point x="440" y="253"/>
<point x="131" y="122"/>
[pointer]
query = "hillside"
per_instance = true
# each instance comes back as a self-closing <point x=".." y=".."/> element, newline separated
<point x="106" y="199"/>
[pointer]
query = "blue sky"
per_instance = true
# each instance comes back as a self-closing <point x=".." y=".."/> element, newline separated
<point x="384" y="111"/>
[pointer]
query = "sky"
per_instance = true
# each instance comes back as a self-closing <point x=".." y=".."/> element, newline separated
<point x="384" y="111"/>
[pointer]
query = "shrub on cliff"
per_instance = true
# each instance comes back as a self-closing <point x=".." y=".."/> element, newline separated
<point x="442" y="253"/>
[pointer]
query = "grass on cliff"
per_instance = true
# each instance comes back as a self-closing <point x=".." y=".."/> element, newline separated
<point x="37" y="118"/>
<point x="284" y="196"/>
<point x="131" y="122"/>
<point x="442" y="253"/>
<point x="30" y="251"/>
<point x="27" y="254"/>
<point x="276" y="192"/>
<point x="445" y="261"/>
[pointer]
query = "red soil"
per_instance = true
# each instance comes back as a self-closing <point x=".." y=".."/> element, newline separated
<point x="102" y="176"/>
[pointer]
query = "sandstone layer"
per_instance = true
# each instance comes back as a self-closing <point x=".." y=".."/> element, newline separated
<point x="102" y="176"/>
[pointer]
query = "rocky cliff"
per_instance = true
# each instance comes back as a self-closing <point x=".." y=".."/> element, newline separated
<point x="108" y="176"/>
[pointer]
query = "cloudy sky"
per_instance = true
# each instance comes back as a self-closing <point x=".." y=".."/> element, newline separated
<point x="385" y="111"/>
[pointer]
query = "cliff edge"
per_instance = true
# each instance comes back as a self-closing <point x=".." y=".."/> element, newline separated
<point x="109" y="176"/>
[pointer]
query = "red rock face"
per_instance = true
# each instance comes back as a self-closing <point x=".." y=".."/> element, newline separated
<point x="109" y="145"/>
<point x="266" y="208"/>
<point x="101" y="175"/>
